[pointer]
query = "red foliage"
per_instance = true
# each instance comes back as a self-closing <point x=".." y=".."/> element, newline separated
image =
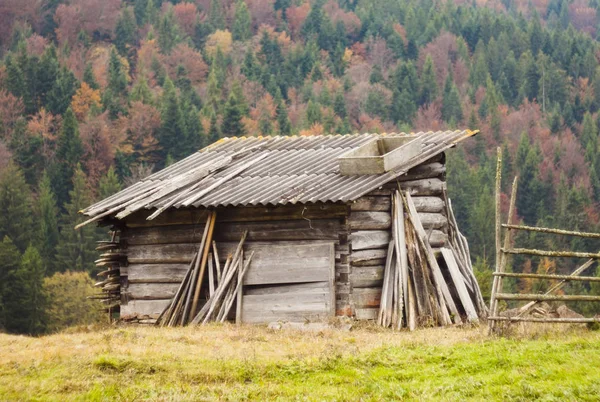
<point x="190" y="59"/>
<point x="443" y="51"/>
<point x="11" y="108"/>
<point x="379" y="53"/>
<point x="186" y="14"/>
<point x="429" y="117"/>
<point x="262" y="12"/>
<point x="296" y="15"/>
<point x="96" y="18"/>
<point x="583" y="17"/>
<point x="99" y="146"/>
<point x="350" y="20"/>
<point x="36" y="44"/>
<point x="5" y="155"/>
<point x="14" y="11"/>
<point x="137" y="131"/>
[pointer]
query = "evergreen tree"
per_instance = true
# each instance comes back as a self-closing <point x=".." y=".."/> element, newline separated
<point x="213" y="134"/>
<point x="109" y="184"/>
<point x="172" y="129"/>
<point x="428" y="82"/>
<point x="313" y="113"/>
<point x="47" y="216"/>
<point x="242" y="24"/>
<point x="9" y="263"/>
<point x="140" y="92"/>
<point x="69" y="151"/>
<point x="528" y="196"/>
<point x="532" y="78"/>
<point x="15" y="207"/>
<point x="376" y="75"/>
<point x="339" y="105"/>
<point x="125" y="32"/>
<point x="232" y="125"/>
<point x="25" y="301"/>
<point x="139" y="10"/>
<point x="215" y="15"/>
<point x="88" y="77"/>
<point x="168" y="34"/>
<point x="589" y="132"/>
<point x="62" y="91"/>
<point x="451" y="106"/>
<point x="48" y="72"/>
<point x="75" y="250"/>
<point x="116" y="91"/>
<point x="402" y="109"/>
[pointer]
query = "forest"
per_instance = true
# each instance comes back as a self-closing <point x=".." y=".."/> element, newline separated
<point x="95" y="95"/>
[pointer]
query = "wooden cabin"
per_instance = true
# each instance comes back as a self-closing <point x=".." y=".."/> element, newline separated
<point x="318" y="213"/>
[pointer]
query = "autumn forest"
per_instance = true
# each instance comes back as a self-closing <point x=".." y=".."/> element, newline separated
<point x="95" y="95"/>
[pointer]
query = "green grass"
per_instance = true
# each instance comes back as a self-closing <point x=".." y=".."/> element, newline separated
<point x="252" y="363"/>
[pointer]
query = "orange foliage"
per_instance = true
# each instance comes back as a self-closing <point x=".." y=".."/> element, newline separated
<point x="84" y="99"/>
<point x="45" y="125"/>
<point x="262" y="12"/>
<point x="11" y="108"/>
<point x="91" y="16"/>
<point x="429" y="117"/>
<point x="36" y="44"/>
<point x="351" y="21"/>
<point x="5" y="155"/>
<point x="315" y="129"/>
<point x="136" y="132"/>
<point x="99" y="145"/>
<point x="250" y="125"/>
<point x="98" y="57"/>
<point x="186" y="14"/>
<point x="219" y="40"/>
<point x="443" y="51"/>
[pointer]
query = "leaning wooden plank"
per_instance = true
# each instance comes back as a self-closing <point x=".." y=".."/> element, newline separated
<point x="459" y="284"/>
<point x="369" y="220"/>
<point x="386" y="284"/>
<point x="239" y="293"/>
<point x="211" y="276"/>
<point x="217" y="262"/>
<point x="442" y="290"/>
<point x="199" y="255"/>
<point x="411" y="309"/>
<point x="401" y="246"/>
<point x="205" y="248"/>
<point x="369" y="239"/>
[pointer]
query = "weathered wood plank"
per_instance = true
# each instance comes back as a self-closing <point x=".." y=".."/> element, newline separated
<point x="185" y="216"/>
<point x="371" y="203"/>
<point x="143" y="309"/>
<point x="321" y="229"/>
<point x="161" y="254"/>
<point x="366" y="313"/>
<point x="290" y="264"/>
<point x="459" y="285"/>
<point x="156" y="273"/>
<point x="365" y="255"/>
<point x="367" y="277"/>
<point x="369" y="220"/>
<point x="286" y="307"/>
<point x="152" y="291"/>
<point x="366" y="297"/>
<point x="369" y="239"/>
<point x="313" y="287"/>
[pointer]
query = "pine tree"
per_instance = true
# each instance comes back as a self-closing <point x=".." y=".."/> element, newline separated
<point x="339" y="105"/>
<point x="168" y="34"/>
<point x="139" y="10"/>
<point x="125" y="32"/>
<point x="232" y="125"/>
<point x="215" y="15"/>
<point x="15" y="207"/>
<point x="62" y="91"/>
<point x="75" y="250"/>
<point x="376" y="75"/>
<point x="25" y="300"/>
<point x="283" y="120"/>
<point x="109" y="184"/>
<point x="10" y="258"/>
<point x="47" y="216"/>
<point x="140" y="92"/>
<point x="172" y="128"/>
<point x="48" y="72"/>
<point x="451" y="106"/>
<point x="213" y="133"/>
<point x="68" y="154"/>
<point x="428" y="82"/>
<point x="313" y="113"/>
<point x="402" y="109"/>
<point x="589" y="132"/>
<point x="15" y="79"/>
<point x="88" y="77"/>
<point x="242" y="25"/>
<point x="116" y="91"/>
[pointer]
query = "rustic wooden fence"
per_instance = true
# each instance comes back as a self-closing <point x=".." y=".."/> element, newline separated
<point x="504" y="250"/>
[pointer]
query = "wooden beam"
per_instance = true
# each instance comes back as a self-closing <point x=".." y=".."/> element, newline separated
<point x="548" y="253"/>
<point x="553" y="231"/>
<point x="534" y="297"/>
<point x="566" y="278"/>
<point x="575" y="320"/>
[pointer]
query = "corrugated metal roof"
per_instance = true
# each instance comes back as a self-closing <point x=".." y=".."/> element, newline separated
<point x="264" y="171"/>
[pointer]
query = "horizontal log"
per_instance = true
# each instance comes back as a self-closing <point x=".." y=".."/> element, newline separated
<point x="437" y="238"/>
<point x="186" y="216"/>
<point x="367" y="277"/>
<point x="366" y="298"/>
<point x="369" y="239"/>
<point x="424" y="187"/>
<point x="424" y="171"/>
<point x="295" y="307"/>
<point x="429" y="204"/>
<point x="431" y="220"/>
<point x="547" y="253"/>
<point x="366" y="255"/>
<point x="548" y="276"/>
<point x="535" y="297"/>
<point x="321" y="229"/>
<point x="152" y="291"/>
<point x="366" y="313"/>
<point x="143" y="309"/>
<point x="314" y="287"/>
<point x="156" y="273"/>
<point x="553" y="231"/>
<point x="573" y="320"/>
<point x="369" y="220"/>
<point x="371" y="203"/>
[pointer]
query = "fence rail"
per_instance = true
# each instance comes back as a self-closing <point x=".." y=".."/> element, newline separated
<point x="548" y="276"/>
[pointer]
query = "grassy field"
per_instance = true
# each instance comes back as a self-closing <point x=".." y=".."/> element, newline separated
<point x="255" y="363"/>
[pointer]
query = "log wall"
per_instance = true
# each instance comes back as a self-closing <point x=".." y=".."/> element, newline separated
<point x="369" y="231"/>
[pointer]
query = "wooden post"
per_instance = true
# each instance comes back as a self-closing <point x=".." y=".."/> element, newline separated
<point x="213" y="218"/>
<point x="498" y="233"/>
<point x="239" y="291"/>
<point x="401" y="244"/>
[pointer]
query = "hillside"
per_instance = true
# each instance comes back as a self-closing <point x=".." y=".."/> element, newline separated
<point x="254" y="363"/>
<point x="95" y="95"/>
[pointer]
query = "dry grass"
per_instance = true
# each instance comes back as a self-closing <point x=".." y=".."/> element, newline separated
<point x="225" y="362"/>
